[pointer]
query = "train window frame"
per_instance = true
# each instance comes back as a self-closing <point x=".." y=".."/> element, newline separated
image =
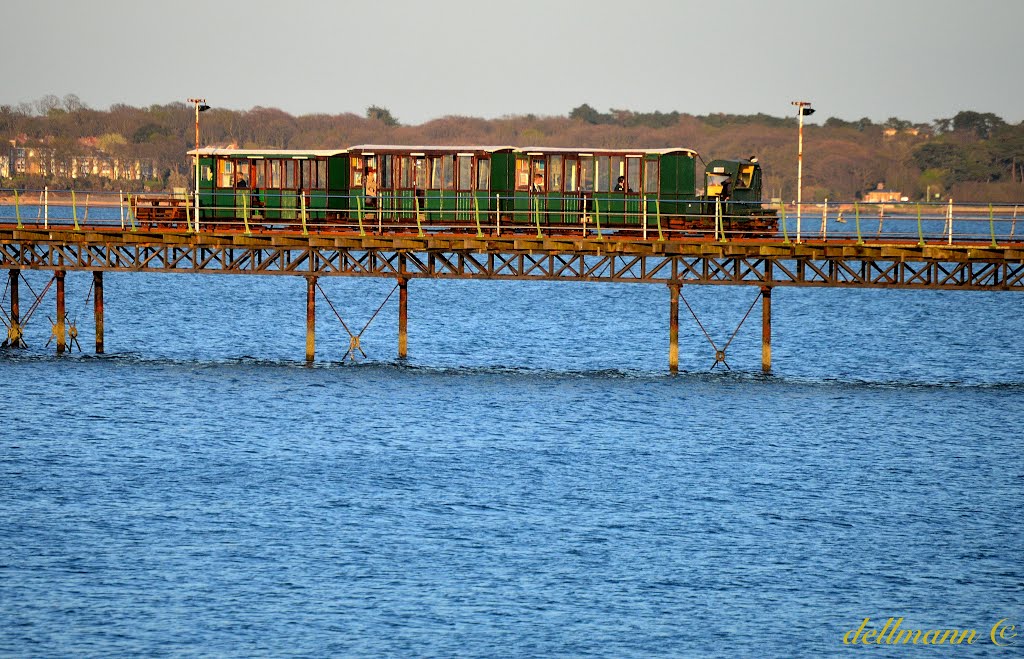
<point x="572" y="165"/>
<point x="260" y="179"/>
<point x="538" y="167"/>
<point x="242" y="167"/>
<point x="464" y="172"/>
<point x="225" y="173"/>
<point x="421" y="172"/>
<point x="602" y="175"/>
<point x="588" y="172"/>
<point x="483" y="173"/>
<point x="275" y="174"/>
<point x="522" y="174"/>
<point x="652" y="175"/>
<point x="555" y="173"/>
<point x="633" y="173"/>
<point x="356" y="178"/>
<point x="745" y="177"/>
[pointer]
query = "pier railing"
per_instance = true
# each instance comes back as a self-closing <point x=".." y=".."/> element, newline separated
<point x="632" y="218"/>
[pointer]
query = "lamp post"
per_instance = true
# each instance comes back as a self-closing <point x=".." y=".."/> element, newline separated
<point x="201" y="106"/>
<point x="803" y="109"/>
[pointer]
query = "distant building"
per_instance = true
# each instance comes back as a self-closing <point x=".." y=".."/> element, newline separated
<point x="882" y="195"/>
<point x="90" y="161"/>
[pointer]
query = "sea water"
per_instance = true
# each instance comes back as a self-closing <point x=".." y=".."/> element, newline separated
<point x="530" y="482"/>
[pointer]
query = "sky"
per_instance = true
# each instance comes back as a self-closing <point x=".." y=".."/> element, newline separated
<point x="917" y="60"/>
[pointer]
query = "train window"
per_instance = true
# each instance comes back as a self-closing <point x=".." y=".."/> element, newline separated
<point x="587" y="175"/>
<point x="571" y="175"/>
<point x="632" y="173"/>
<point x="483" y="174"/>
<point x="421" y="174"/>
<point x="618" y="168"/>
<point x="404" y="172"/>
<point x="522" y="174"/>
<point x="275" y="173"/>
<point x="746" y="176"/>
<point x="465" y="181"/>
<point x="537" y="178"/>
<point x="289" y="174"/>
<point x="555" y="177"/>
<point x="603" y="172"/>
<point x="356" y="179"/>
<point x="306" y="173"/>
<point x="321" y="174"/>
<point x="387" y="179"/>
<point x="651" y="176"/>
<point x="260" y="176"/>
<point x="449" y="172"/>
<point x="225" y="173"/>
<point x="434" y="173"/>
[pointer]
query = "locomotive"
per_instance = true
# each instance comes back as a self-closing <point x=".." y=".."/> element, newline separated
<point x="392" y="188"/>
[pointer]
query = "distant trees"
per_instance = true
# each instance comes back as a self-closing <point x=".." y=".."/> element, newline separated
<point x="972" y="153"/>
<point x="377" y="113"/>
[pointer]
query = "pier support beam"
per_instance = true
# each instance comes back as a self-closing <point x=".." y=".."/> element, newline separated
<point x="766" y="328"/>
<point x="673" y="327"/>
<point x="97" y="286"/>
<point x="403" y="317"/>
<point x="310" y="318"/>
<point x="59" y="332"/>
<point x="14" y="338"/>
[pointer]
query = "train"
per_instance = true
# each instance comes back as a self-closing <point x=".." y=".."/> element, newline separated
<point x="483" y="188"/>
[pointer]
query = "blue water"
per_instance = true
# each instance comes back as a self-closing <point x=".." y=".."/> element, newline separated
<point x="531" y="482"/>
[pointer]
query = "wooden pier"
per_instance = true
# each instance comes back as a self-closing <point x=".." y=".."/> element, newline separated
<point x="764" y="264"/>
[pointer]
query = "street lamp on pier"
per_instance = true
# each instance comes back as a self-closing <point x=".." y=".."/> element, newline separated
<point x="803" y="109"/>
<point x="201" y="106"/>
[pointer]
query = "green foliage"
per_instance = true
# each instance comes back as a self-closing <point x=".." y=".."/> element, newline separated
<point x="375" y="112"/>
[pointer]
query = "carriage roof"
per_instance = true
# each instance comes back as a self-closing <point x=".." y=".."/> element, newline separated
<point x="266" y="153"/>
<point x="405" y="148"/>
<point x="605" y="151"/>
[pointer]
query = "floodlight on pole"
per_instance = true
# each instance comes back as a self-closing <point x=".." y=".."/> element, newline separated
<point x="201" y="106"/>
<point x="803" y="109"/>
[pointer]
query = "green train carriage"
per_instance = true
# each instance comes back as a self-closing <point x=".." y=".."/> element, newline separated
<point x="457" y="187"/>
<point x="272" y="186"/>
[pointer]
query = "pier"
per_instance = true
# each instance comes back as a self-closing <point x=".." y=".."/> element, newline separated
<point x="935" y="261"/>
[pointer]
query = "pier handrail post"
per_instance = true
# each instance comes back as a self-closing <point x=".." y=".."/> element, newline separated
<point x="476" y="215"/>
<point x="948" y="229"/>
<point x="74" y="211"/>
<point x="657" y="210"/>
<point x="920" y="229"/>
<point x="17" y="208"/>
<point x="856" y="215"/>
<point x="992" y="226"/>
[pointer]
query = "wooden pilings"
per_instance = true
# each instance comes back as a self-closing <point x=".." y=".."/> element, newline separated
<point x="310" y="318"/>
<point x="59" y="329"/>
<point x="403" y="317"/>
<point x="97" y="292"/>
<point x="14" y="339"/>
<point x="673" y="327"/>
<point x="766" y="328"/>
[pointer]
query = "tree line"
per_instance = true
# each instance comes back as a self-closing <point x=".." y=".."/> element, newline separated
<point x="971" y="156"/>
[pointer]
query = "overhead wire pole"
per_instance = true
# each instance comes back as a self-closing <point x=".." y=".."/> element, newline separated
<point x="201" y="106"/>
<point x="803" y="109"/>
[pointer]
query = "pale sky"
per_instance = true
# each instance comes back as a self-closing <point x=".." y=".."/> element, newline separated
<point x="422" y="59"/>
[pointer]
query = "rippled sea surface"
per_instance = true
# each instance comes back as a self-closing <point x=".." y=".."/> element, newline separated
<point x="530" y="482"/>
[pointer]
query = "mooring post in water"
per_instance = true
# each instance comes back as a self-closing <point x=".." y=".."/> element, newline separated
<point x="766" y="328"/>
<point x="310" y="318"/>
<point x="97" y="285"/>
<point x="58" y="328"/>
<point x="403" y="317"/>
<point x="673" y="327"/>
